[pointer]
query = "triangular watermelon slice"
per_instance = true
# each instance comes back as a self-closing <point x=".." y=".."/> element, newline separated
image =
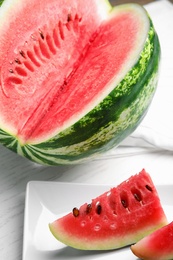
<point x="158" y="245"/>
<point x="115" y="219"/>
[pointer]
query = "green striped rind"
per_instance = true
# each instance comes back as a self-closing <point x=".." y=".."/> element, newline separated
<point x="108" y="123"/>
<point x="8" y="140"/>
<point x="1" y="1"/>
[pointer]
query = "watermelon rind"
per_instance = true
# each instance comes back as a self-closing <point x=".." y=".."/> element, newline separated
<point x="1" y="1"/>
<point x="109" y="122"/>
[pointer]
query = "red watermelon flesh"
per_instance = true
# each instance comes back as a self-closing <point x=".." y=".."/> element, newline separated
<point x="158" y="245"/>
<point x="47" y="61"/>
<point x="40" y="57"/>
<point x="115" y="219"/>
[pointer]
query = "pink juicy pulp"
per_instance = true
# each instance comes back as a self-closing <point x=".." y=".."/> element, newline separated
<point x="110" y="226"/>
<point x="158" y="245"/>
<point x="64" y="75"/>
<point x="161" y="242"/>
<point x="143" y="210"/>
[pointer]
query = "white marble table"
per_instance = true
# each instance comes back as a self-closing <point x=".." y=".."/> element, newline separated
<point x="16" y="172"/>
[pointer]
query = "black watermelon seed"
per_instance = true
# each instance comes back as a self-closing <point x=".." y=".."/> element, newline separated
<point x="148" y="187"/>
<point x="75" y="212"/>
<point x="69" y="17"/>
<point x="137" y="197"/>
<point x="17" y="61"/>
<point x="41" y="34"/>
<point x="89" y="208"/>
<point x="124" y="203"/>
<point x="99" y="209"/>
<point x="22" y="54"/>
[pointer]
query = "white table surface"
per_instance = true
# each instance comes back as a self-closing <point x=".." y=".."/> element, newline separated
<point x="16" y="172"/>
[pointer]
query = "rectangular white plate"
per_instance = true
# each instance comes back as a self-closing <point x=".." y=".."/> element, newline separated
<point x="46" y="201"/>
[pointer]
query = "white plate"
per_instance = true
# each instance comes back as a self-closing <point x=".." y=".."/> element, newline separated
<point x="46" y="201"/>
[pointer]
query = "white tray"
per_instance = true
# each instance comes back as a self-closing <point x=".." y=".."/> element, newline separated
<point x="46" y="201"/>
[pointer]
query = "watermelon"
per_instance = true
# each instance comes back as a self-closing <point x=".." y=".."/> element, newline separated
<point x="158" y="245"/>
<point x="77" y="77"/>
<point x="114" y="219"/>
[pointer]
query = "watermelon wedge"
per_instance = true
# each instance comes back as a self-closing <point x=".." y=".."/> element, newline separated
<point x="77" y="77"/>
<point x="158" y="245"/>
<point x="115" y="219"/>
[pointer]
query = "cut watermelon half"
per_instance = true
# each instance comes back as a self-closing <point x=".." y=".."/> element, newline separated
<point x="158" y="245"/>
<point x="77" y="77"/>
<point x="115" y="219"/>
